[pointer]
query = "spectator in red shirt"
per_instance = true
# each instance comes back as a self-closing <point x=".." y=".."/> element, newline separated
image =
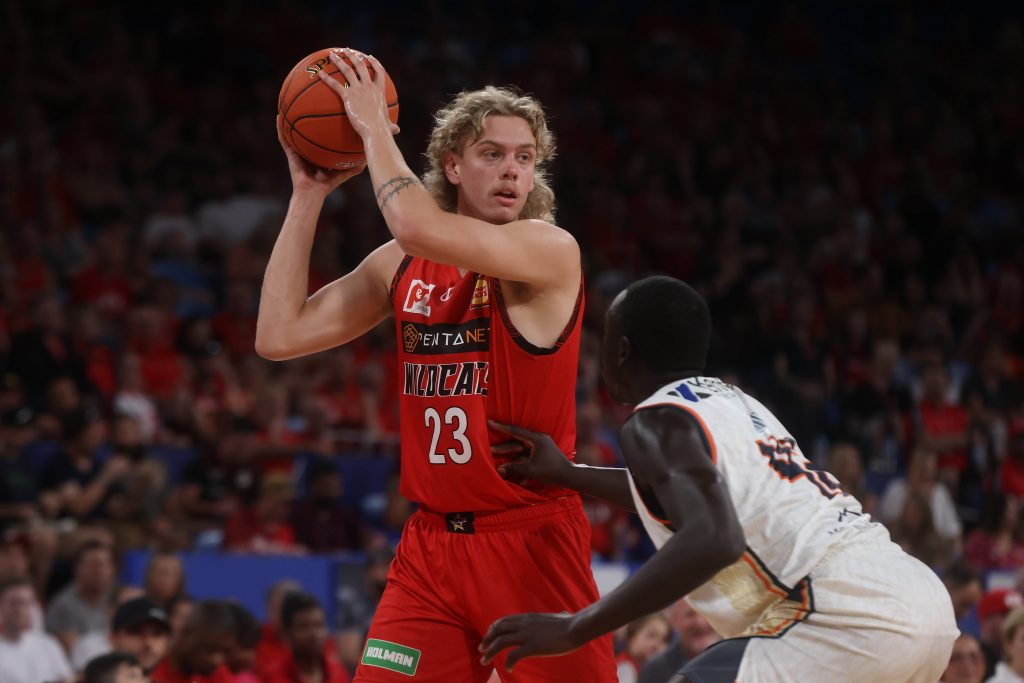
<point x="263" y="527"/>
<point x="942" y="424"/>
<point x="199" y="651"/>
<point x="1012" y="472"/>
<point x="105" y="283"/>
<point x="273" y="647"/>
<point x="235" y="325"/>
<point x="997" y="543"/>
<point x="305" y="630"/>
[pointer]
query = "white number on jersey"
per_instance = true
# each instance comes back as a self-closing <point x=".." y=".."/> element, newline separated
<point x="432" y="419"/>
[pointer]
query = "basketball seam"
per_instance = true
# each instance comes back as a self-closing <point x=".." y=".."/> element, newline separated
<point x="315" y="79"/>
<point x="328" y="149"/>
<point x="324" y="116"/>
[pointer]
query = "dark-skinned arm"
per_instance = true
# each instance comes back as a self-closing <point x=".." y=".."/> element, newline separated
<point x="538" y="458"/>
<point x="665" y="452"/>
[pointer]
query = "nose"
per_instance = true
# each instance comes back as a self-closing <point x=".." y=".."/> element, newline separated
<point x="511" y="171"/>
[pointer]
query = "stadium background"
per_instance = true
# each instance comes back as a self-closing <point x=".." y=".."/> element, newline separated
<point x="842" y="182"/>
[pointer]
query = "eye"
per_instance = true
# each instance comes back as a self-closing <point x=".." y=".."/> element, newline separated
<point x="491" y="154"/>
<point x="525" y="157"/>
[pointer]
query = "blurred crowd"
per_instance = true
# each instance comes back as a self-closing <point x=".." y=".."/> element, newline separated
<point x="843" y="184"/>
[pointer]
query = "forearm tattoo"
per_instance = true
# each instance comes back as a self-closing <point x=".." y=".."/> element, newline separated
<point x="392" y="187"/>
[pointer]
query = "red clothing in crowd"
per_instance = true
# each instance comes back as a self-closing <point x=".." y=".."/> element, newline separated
<point x="246" y="527"/>
<point x="285" y="672"/>
<point x="271" y="651"/>
<point x="946" y="419"/>
<point x="165" y="673"/>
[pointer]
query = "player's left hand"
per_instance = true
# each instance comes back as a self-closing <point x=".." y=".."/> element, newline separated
<point x="363" y="96"/>
<point x="535" y="634"/>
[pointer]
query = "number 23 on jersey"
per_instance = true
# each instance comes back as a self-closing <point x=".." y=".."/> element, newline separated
<point x="455" y="421"/>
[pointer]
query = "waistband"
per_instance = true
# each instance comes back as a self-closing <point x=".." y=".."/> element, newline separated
<point x="501" y="520"/>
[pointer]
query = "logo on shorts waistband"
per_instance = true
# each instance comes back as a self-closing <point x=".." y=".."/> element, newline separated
<point x="388" y="655"/>
<point x="459" y="522"/>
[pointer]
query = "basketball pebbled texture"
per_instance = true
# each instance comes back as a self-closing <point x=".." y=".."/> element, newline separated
<point x="312" y="116"/>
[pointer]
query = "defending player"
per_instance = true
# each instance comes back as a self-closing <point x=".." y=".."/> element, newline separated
<point x="487" y="297"/>
<point x="782" y="562"/>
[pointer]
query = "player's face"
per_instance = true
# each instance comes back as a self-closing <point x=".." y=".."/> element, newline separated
<point x="611" y="368"/>
<point x="494" y="174"/>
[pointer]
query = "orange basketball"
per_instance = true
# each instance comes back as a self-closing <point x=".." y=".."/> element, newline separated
<point x="313" y="119"/>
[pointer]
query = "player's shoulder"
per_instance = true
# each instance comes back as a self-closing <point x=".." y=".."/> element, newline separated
<point x="558" y="235"/>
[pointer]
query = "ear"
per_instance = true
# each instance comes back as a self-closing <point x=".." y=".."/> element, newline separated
<point x="452" y="164"/>
<point x="625" y="351"/>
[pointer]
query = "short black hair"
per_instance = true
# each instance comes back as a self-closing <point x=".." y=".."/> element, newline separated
<point x="103" y="669"/>
<point x="293" y="605"/>
<point x="210" y="618"/>
<point x="248" y="631"/>
<point x="90" y="546"/>
<point x="667" y="322"/>
<point x="961" y="573"/>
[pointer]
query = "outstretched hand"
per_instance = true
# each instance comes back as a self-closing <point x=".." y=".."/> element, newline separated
<point x="535" y="456"/>
<point x="307" y="176"/>
<point x="363" y="96"/>
<point x="535" y="634"/>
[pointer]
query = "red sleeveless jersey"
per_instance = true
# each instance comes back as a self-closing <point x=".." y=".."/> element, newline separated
<point x="461" y="362"/>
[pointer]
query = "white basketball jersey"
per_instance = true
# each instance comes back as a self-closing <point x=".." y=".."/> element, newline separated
<point x="791" y="513"/>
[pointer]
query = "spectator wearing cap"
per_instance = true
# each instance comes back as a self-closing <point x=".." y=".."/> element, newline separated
<point x="82" y="605"/>
<point x="1011" y="669"/>
<point x="27" y="655"/>
<point x="139" y="627"/>
<point x="198" y="653"/>
<point x="115" y="667"/>
<point x="309" y="658"/>
<point x="992" y="611"/>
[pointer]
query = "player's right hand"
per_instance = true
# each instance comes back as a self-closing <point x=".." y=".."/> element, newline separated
<point x="535" y="456"/>
<point x="307" y="177"/>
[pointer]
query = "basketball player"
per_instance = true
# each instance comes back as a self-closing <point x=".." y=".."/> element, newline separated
<point x="487" y="298"/>
<point x="783" y="563"/>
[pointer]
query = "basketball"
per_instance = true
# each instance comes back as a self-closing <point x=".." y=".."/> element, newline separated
<point x="312" y="117"/>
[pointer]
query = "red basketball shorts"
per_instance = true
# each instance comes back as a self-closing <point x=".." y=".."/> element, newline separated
<point x="454" y="575"/>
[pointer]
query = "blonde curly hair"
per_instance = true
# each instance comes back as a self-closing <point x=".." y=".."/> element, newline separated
<point x="463" y="119"/>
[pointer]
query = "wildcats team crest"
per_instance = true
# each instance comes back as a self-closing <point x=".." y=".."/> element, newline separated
<point x="481" y="296"/>
<point x="418" y="298"/>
